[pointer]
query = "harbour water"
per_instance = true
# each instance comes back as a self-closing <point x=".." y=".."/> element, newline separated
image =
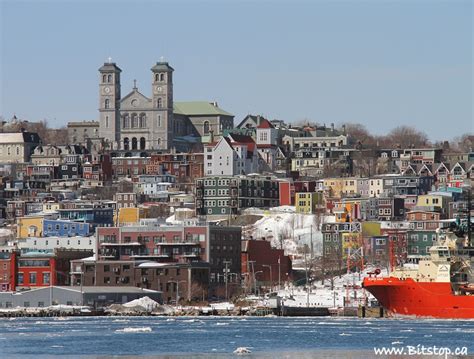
<point x="203" y="337"/>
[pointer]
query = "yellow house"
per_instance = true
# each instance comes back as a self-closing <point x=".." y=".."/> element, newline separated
<point x="31" y="226"/>
<point x="308" y="202"/>
<point x="131" y="215"/>
<point x="349" y="186"/>
<point x="434" y="202"/>
<point x="334" y="186"/>
<point x="351" y="242"/>
<point x="297" y="164"/>
<point x="49" y="207"/>
<point x="371" y="229"/>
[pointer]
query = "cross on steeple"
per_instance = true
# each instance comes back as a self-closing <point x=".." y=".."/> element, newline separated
<point x="109" y="60"/>
<point x="162" y="58"/>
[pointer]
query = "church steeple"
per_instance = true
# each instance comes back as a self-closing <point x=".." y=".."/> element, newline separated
<point x="162" y="100"/>
<point x="109" y="101"/>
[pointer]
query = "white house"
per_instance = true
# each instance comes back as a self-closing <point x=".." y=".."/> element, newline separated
<point x="267" y="140"/>
<point x="231" y="155"/>
<point x="51" y="243"/>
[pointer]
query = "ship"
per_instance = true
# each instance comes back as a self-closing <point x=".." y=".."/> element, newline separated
<point x="440" y="286"/>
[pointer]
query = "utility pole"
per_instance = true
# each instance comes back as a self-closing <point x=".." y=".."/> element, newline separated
<point x="253" y="277"/>
<point x="279" y="273"/>
<point x="226" y="271"/>
<point x="307" y="279"/>
<point x="469" y="214"/>
<point x="177" y="293"/>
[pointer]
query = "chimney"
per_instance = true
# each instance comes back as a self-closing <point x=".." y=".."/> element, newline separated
<point x="344" y="130"/>
<point x="214" y="103"/>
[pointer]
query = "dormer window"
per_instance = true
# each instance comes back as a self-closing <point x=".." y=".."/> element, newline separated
<point x="394" y="154"/>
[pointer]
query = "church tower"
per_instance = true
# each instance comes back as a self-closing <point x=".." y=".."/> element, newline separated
<point x="109" y="103"/>
<point x="162" y="99"/>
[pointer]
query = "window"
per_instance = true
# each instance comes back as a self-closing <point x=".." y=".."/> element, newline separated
<point x="106" y="121"/>
<point x="107" y="103"/>
<point x="33" y="278"/>
<point x="126" y="121"/>
<point x="206" y="127"/>
<point x="159" y="103"/>
<point x="20" y="278"/>
<point x="142" y="120"/>
<point x="46" y="278"/>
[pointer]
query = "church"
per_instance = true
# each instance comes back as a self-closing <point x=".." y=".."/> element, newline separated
<point x="137" y="122"/>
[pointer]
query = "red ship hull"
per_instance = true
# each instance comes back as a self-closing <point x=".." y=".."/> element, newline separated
<point x="423" y="299"/>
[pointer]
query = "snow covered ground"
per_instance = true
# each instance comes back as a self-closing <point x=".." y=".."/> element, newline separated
<point x="281" y="225"/>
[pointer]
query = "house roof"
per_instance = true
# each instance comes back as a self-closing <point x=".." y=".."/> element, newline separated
<point x="264" y="123"/>
<point x="19" y="137"/>
<point x="254" y="118"/>
<point x="196" y="108"/>
<point x="237" y="139"/>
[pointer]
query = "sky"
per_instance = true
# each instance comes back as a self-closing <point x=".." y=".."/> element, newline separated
<point x="379" y="63"/>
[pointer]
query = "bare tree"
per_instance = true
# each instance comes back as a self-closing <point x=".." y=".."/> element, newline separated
<point x="464" y="143"/>
<point x="405" y="137"/>
<point x="359" y="134"/>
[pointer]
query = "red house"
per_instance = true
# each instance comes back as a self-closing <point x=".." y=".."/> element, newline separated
<point x="269" y="265"/>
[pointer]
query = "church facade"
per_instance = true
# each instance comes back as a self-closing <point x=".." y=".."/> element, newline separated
<point x="135" y="121"/>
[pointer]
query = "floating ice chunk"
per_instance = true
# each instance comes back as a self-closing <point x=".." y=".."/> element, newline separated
<point x="242" y="350"/>
<point x="135" y="330"/>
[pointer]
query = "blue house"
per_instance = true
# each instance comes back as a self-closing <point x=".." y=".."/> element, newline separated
<point x="64" y="228"/>
<point x="96" y="217"/>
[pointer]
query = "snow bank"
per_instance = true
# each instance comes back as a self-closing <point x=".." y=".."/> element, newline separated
<point x="144" y="302"/>
<point x="222" y="306"/>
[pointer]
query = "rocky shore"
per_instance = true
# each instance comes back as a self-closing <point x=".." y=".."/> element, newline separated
<point x="141" y="307"/>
